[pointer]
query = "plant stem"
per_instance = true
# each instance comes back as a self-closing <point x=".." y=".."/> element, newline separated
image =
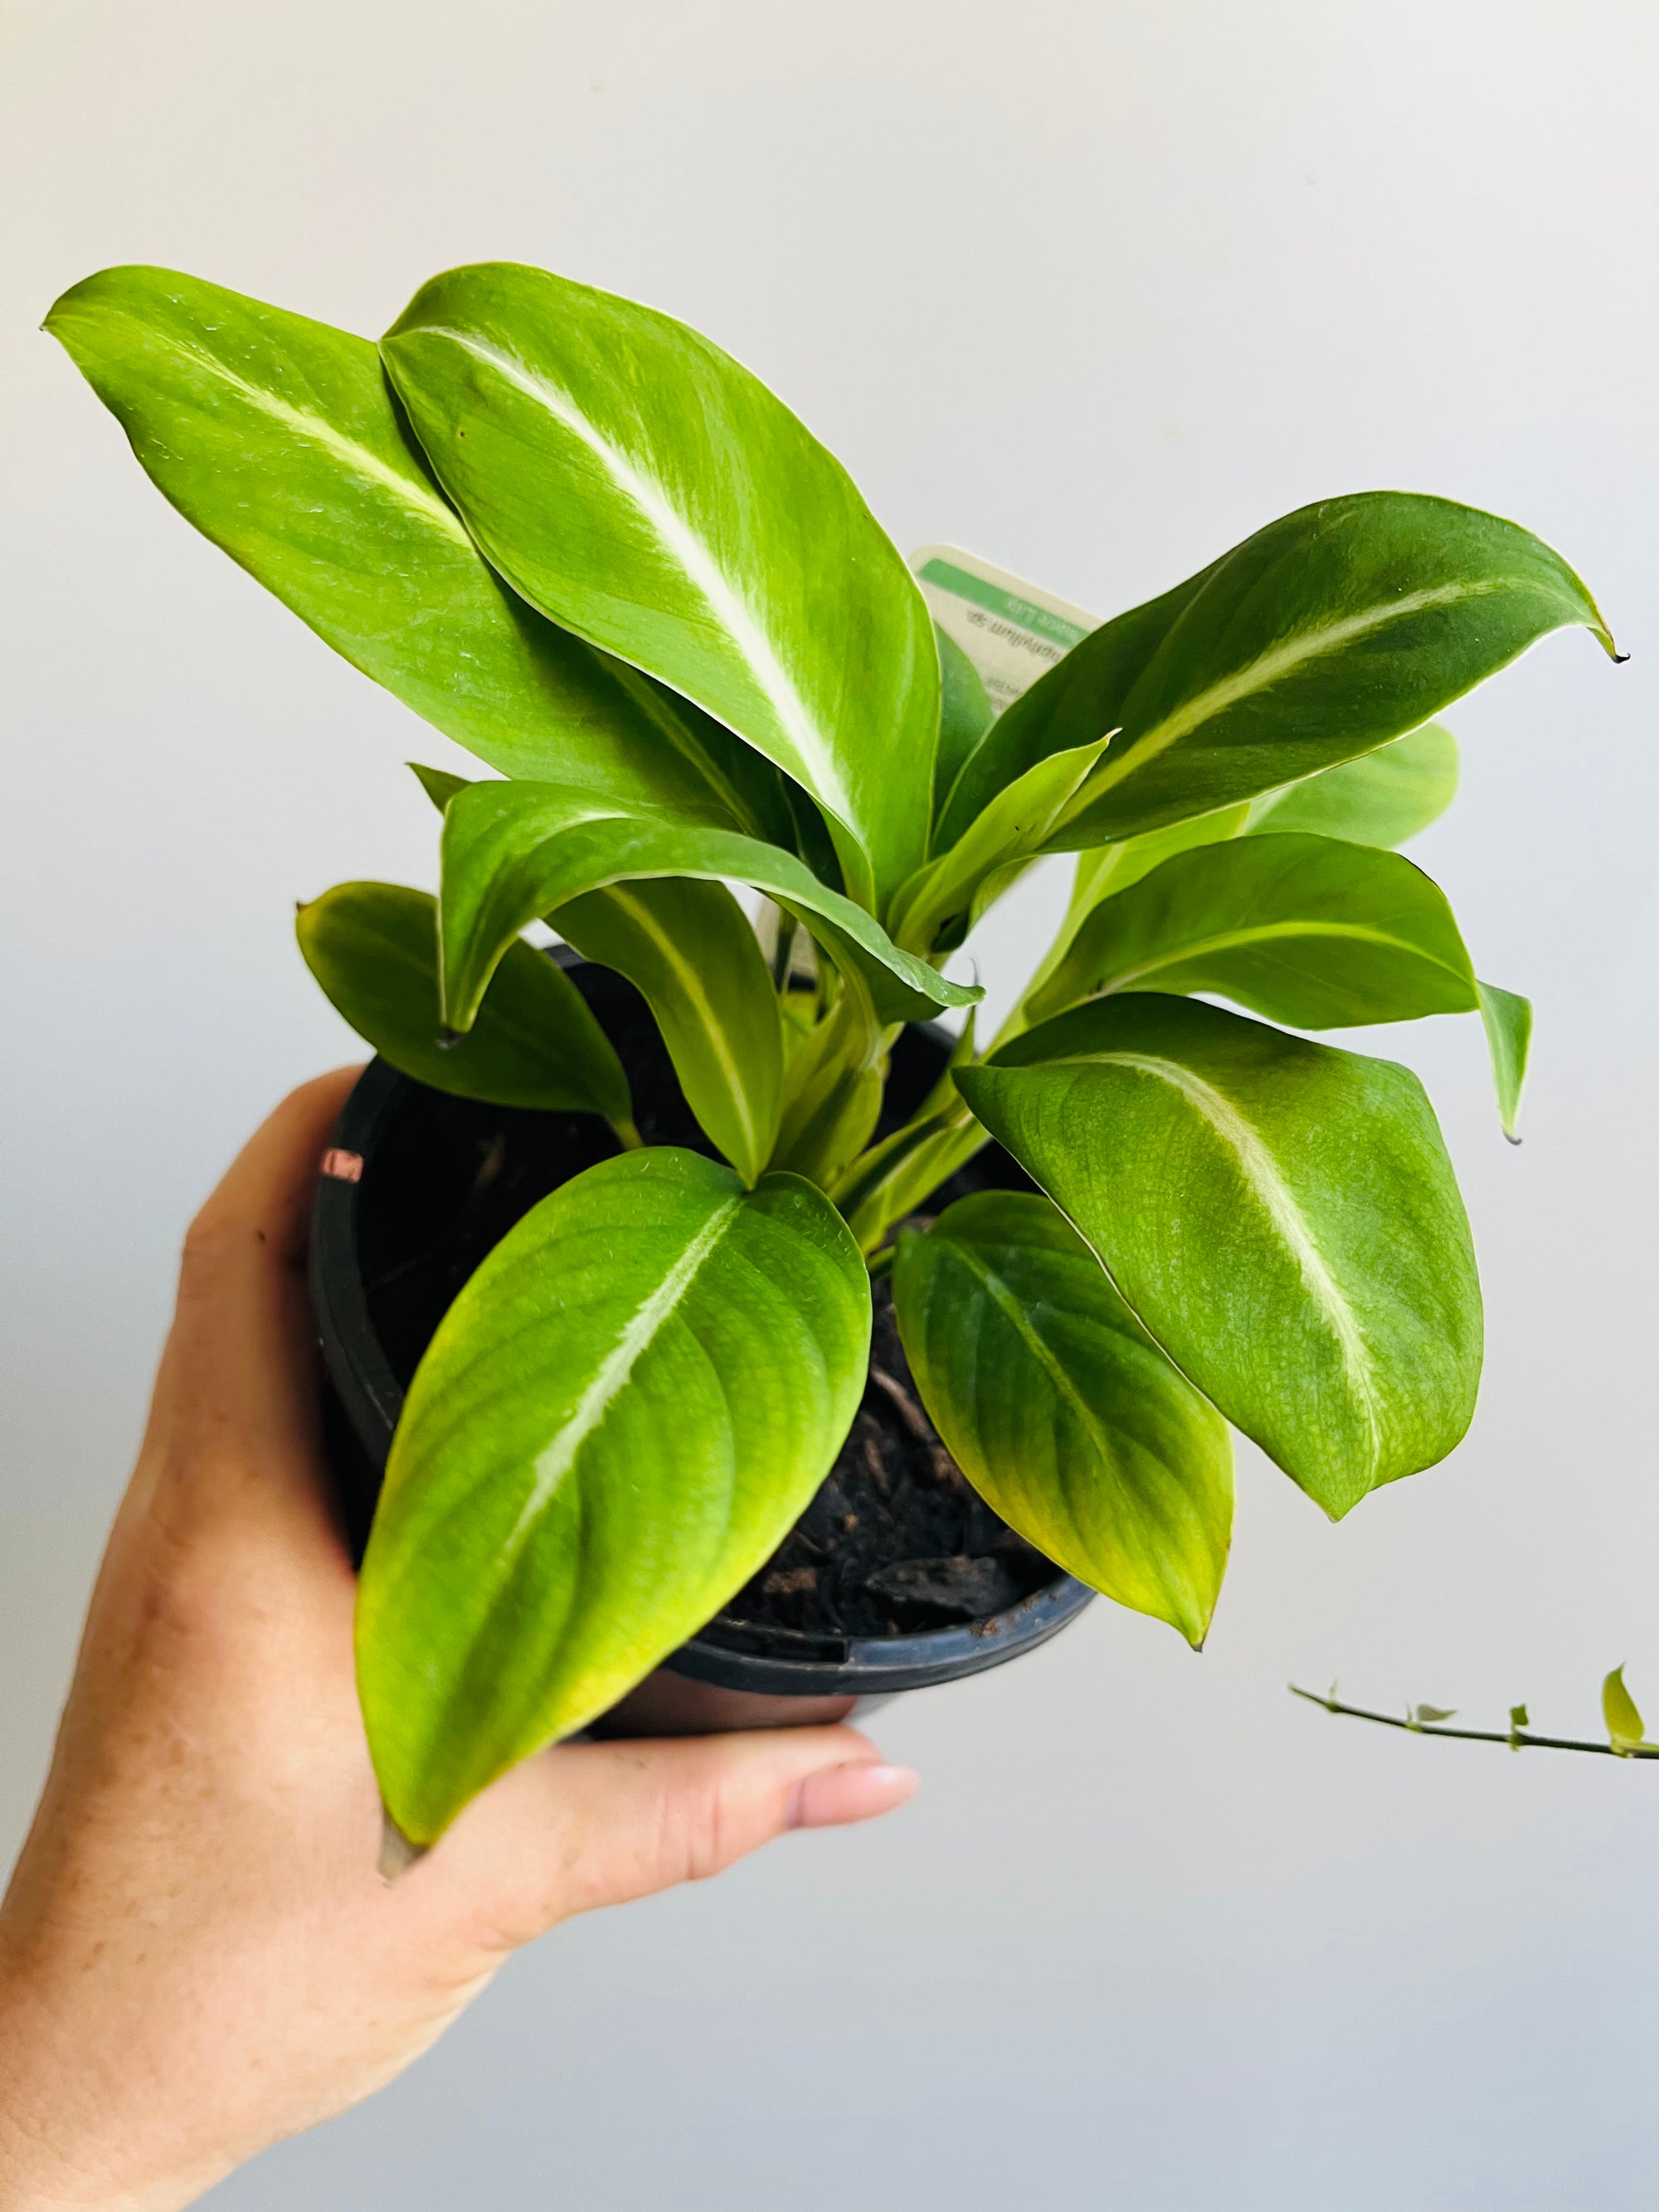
<point x="783" y="953"/>
<point x="1516" y="1739"/>
<point x="627" y="1136"/>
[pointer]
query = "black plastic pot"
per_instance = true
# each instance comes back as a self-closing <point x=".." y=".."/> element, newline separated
<point x="378" y="1297"/>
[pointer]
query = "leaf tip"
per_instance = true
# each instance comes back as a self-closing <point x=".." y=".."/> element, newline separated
<point x="398" y="1854"/>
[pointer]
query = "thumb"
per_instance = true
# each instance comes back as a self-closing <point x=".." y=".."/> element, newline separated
<point x="591" y="1824"/>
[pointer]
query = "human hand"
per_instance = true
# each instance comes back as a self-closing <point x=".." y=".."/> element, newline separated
<point x="197" y="1955"/>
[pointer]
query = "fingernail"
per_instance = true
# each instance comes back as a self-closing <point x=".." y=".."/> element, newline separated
<point x="836" y="1795"/>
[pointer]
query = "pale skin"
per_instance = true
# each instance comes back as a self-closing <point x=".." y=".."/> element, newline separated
<point x="198" y="1955"/>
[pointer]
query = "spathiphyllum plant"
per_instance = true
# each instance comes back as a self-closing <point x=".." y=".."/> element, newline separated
<point x="596" y="551"/>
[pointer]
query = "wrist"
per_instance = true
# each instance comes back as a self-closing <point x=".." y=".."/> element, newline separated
<point x="52" y="2130"/>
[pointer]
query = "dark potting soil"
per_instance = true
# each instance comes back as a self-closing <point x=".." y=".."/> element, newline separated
<point x="896" y="1541"/>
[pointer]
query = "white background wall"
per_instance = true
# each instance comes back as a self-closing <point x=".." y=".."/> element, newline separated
<point x="1095" y="289"/>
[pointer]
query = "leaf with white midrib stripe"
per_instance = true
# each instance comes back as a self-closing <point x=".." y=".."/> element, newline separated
<point x="558" y="1455"/>
<point x="616" y="1423"/>
<point x="1328" y="633"/>
<point x="1281" y="1218"/>
<point x="1262" y="1178"/>
<point x="276" y="436"/>
<point x="1283" y="659"/>
<point x="814" y="762"/>
<point x="648" y="492"/>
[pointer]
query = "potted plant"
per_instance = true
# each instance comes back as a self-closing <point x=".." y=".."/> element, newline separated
<point x="651" y="1202"/>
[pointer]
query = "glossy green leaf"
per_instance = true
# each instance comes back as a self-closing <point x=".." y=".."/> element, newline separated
<point x="645" y="491"/>
<point x="277" y="438"/>
<point x="1309" y="930"/>
<point x="1329" y="633"/>
<point x="1281" y="1217"/>
<point x="1381" y="799"/>
<point x="1062" y="1411"/>
<point x="1313" y="931"/>
<point x="965" y="713"/>
<point x="1618" y="1710"/>
<point x="897" y="1000"/>
<point x="373" y="948"/>
<point x="514" y="851"/>
<point x="938" y="906"/>
<point x="617" y="1421"/>
<point x="690" y="950"/>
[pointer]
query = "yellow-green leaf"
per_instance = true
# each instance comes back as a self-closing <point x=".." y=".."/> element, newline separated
<point x="618" y="1422"/>
<point x="1059" y="1408"/>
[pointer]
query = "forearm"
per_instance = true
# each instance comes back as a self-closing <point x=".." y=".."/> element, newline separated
<point x="51" y="2157"/>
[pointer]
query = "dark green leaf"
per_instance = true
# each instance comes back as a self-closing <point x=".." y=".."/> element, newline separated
<point x="1328" y="634"/>
<point x="1062" y="1411"/>
<point x="373" y="948"/>
<point x="277" y="438"/>
<point x="1281" y="1216"/>
<point x="619" y="1420"/>
<point x="645" y="491"/>
<point x="514" y="851"/>
<point x="689" y="948"/>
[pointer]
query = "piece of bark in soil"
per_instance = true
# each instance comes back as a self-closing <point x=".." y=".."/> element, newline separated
<point x="897" y="1541"/>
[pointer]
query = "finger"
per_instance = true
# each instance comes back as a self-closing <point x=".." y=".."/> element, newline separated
<point x="234" y="1414"/>
<point x="594" y="1824"/>
<point x="264" y="1196"/>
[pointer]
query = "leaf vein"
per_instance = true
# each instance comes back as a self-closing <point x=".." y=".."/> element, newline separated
<point x="1273" y="666"/>
<point x="1261" y="1175"/>
<point x="554" y="1461"/>
<point x="717" y="588"/>
<point x="356" y="457"/>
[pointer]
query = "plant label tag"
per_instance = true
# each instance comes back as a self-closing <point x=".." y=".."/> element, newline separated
<point x="1012" y="631"/>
